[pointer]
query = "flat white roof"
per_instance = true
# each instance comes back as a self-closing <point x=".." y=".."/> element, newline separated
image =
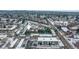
<point x="47" y="39"/>
<point x="64" y="29"/>
<point x="45" y="34"/>
<point x="3" y="36"/>
<point x="74" y="27"/>
<point x="41" y="34"/>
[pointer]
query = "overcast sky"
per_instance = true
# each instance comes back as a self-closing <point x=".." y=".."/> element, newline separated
<point x="39" y="5"/>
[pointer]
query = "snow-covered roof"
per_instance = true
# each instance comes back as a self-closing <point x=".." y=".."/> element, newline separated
<point x="47" y="39"/>
<point x="14" y="26"/>
<point x="28" y="26"/>
<point x="9" y="28"/>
